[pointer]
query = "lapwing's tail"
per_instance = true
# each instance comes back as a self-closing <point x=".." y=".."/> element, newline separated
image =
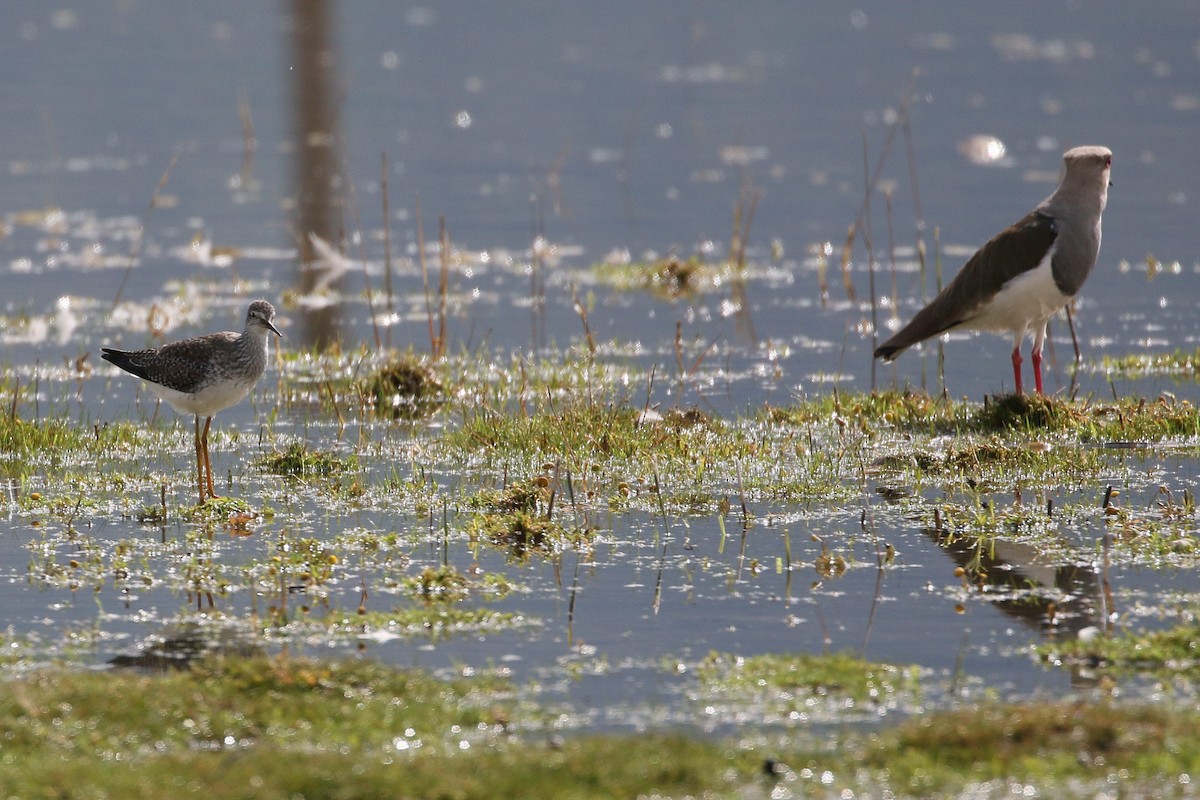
<point x="888" y="352"/>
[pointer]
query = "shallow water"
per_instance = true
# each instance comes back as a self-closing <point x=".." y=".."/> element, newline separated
<point x="612" y="130"/>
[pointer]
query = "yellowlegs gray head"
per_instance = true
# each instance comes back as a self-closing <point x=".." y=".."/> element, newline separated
<point x="204" y="375"/>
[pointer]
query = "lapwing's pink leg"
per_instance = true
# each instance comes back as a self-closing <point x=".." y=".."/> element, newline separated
<point x="1017" y="369"/>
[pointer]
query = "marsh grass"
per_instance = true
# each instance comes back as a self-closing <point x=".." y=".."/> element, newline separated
<point x="915" y="411"/>
<point x="268" y="727"/>
<point x="533" y="457"/>
<point x="1065" y="749"/>
<point x="1089" y="420"/>
<point x="27" y="447"/>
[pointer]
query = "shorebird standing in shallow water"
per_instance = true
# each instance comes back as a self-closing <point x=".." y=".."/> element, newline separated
<point x="1027" y="272"/>
<point x="205" y="374"/>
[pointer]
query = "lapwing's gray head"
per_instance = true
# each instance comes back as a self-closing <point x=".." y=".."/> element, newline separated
<point x="1086" y="180"/>
<point x="1090" y="160"/>
<point x="261" y="315"/>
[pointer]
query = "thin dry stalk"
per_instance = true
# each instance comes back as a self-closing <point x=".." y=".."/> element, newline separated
<point x="916" y="196"/>
<point x="869" y="242"/>
<point x="887" y="197"/>
<point x="821" y="250"/>
<point x="433" y="340"/>
<point x="523" y="390"/>
<point x="135" y="249"/>
<point x="537" y="284"/>
<point x="362" y="259"/>
<point x="553" y="493"/>
<point x="743" y="217"/>
<point x="583" y="316"/>
<point x="847" y="262"/>
<point x="937" y="271"/>
<point x="387" y="244"/>
<point x="571" y="601"/>
<point x="679" y="348"/>
<point x="443" y="283"/>
<point x="1074" y="338"/>
<point x="554" y="180"/>
<point x="901" y="121"/>
<point x="666" y="538"/>
<point x="333" y="402"/>
<point x="249" y="142"/>
<point x="686" y="372"/>
<point x="649" y="393"/>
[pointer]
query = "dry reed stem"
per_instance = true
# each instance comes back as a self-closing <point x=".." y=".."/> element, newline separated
<point x="387" y="243"/>
<point x="868" y="240"/>
<point x="847" y="249"/>
<point x="362" y="259"/>
<point x="583" y="316"/>
<point x="443" y="283"/>
<point x="743" y="217"/>
<point x="901" y="122"/>
<point x="434" y="350"/>
<point x="249" y="142"/>
<point x="135" y="248"/>
<point x="887" y="197"/>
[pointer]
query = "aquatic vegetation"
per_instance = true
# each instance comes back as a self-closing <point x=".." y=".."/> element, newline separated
<point x="437" y="623"/>
<point x="405" y="388"/>
<point x="1022" y="412"/>
<point x="298" y="461"/>
<point x="668" y="277"/>
<point x="520" y="519"/>
<point x="1179" y="363"/>
<point x="789" y="683"/>
<point x="1171" y="652"/>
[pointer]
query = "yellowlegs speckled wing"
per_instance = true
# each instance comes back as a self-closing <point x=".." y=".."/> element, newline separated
<point x="204" y="375"/>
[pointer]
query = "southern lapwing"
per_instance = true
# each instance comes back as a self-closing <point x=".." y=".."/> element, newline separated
<point x="1027" y="272"/>
<point x="204" y="374"/>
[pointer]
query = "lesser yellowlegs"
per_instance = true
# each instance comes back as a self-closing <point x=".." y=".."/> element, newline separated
<point x="205" y="374"/>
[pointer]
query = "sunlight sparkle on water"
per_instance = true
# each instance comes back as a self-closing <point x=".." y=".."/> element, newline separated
<point x="984" y="150"/>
